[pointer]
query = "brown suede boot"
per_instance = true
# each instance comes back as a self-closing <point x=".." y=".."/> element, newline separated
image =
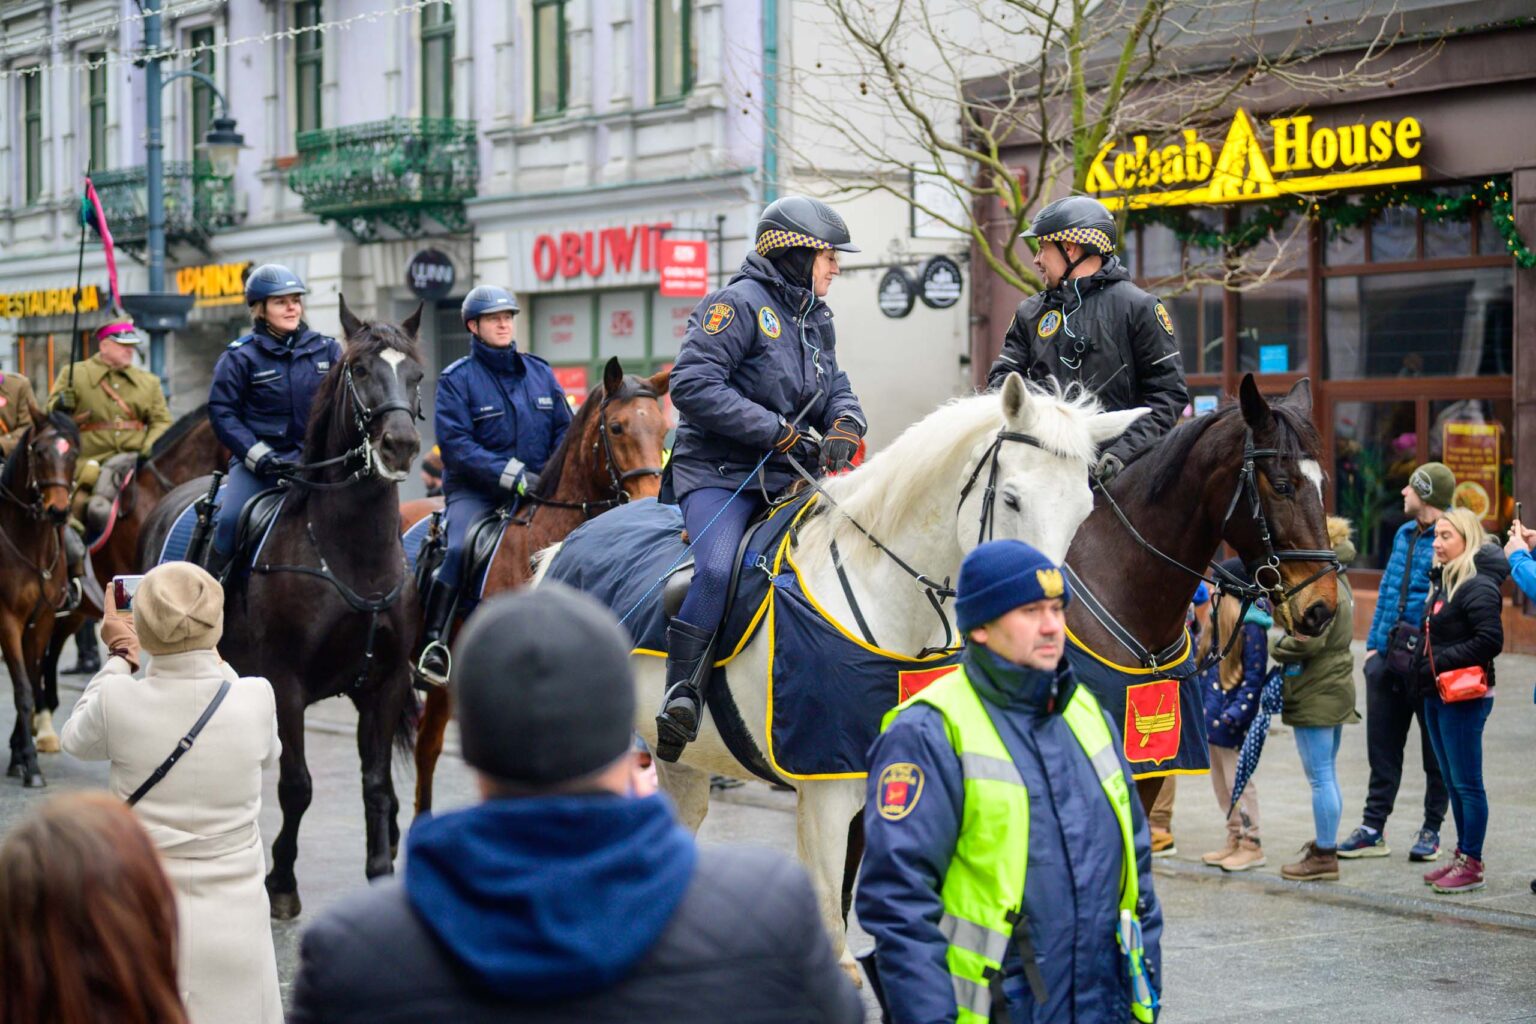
<point x="1316" y="865"/>
<point x="1217" y="856"/>
<point x="1249" y="855"/>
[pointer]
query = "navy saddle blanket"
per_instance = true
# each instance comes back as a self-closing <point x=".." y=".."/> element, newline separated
<point x="827" y="689"/>
<point x="1159" y="711"/>
<point x="180" y="535"/>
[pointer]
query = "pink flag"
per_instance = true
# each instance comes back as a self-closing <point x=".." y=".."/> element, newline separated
<point x="90" y="213"/>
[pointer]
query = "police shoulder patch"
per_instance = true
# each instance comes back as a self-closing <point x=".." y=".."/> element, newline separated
<point x="901" y="786"/>
<point x="1163" y="318"/>
<point x="1049" y="324"/>
<point x="718" y="317"/>
<point x="768" y="320"/>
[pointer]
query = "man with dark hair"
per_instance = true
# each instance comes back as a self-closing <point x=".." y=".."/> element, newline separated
<point x="563" y="895"/>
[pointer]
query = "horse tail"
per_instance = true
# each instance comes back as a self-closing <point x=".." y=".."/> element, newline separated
<point x="541" y="561"/>
<point x="405" y="725"/>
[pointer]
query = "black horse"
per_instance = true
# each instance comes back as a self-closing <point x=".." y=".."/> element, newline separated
<point x="328" y="609"/>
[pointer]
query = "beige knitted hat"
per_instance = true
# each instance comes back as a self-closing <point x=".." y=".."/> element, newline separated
<point x="178" y="607"/>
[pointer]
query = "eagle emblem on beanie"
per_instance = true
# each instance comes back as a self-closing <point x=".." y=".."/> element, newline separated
<point x="1050" y="582"/>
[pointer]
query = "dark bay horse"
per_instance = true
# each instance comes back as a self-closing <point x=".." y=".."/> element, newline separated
<point x="328" y="609"/>
<point x="612" y="453"/>
<point x="1247" y="474"/>
<point x="189" y="449"/>
<point x="35" y="489"/>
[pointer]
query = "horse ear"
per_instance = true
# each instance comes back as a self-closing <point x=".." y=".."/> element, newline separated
<point x="1106" y="426"/>
<point x="660" y="381"/>
<point x="1016" y="402"/>
<point x="1300" y="397"/>
<point x="1255" y="407"/>
<point x="411" y="324"/>
<point x="350" y="325"/>
<point x="613" y="377"/>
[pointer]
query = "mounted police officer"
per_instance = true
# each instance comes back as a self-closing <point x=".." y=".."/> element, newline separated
<point x="1093" y="327"/>
<point x="756" y="354"/>
<point x="263" y="387"/>
<point x="1008" y="871"/>
<point x="500" y="416"/>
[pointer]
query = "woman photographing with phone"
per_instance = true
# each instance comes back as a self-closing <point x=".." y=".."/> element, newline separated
<point x="199" y="806"/>
<point x="1464" y="632"/>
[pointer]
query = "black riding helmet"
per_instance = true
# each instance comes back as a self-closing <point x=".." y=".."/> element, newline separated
<point x="1080" y="219"/>
<point x="793" y="229"/>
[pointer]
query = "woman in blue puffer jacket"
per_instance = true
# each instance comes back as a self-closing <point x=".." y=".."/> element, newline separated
<point x="1231" y="690"/>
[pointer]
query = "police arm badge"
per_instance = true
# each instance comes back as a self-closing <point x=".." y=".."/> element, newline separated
<point x="1164" y="319"/>
<point x="718" y="317"/>
<point x="901" y="786"/>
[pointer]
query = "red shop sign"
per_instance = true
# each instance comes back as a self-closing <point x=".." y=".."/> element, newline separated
<point x="595" y="253"/>
<point x="684" y="267"/>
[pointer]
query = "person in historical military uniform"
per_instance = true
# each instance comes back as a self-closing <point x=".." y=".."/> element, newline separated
<point x="757" y="353"/>
<point x="1008" y="870"/>
<point x="500" y="415"/>
<point x="1092" y="326"/>
<point x="263" y="387"/>
<point x="16" y="404"/>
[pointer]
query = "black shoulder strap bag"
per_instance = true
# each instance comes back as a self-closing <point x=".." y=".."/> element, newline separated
<point x="1403" y="638"/>
<point x="184" y="745"/>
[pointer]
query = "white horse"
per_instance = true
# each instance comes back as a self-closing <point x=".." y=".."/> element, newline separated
<point x="906" y="496"/>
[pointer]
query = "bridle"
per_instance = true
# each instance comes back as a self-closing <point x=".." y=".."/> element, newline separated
<point x="1266" y="579"/>
<point x="34" y="508"/>
<point x="363" y="417"/>
<point x="984" y="527"/>
<point x="617" y="478"/>
<point x="35" y="511"/>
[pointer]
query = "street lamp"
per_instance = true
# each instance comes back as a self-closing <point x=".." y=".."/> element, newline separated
<point x="222" y="144"/>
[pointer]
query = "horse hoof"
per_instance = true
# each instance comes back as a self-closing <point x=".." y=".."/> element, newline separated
<point x="47" y="741"/>
<point x="33" y="780"/>
<point x="285" y="906"/>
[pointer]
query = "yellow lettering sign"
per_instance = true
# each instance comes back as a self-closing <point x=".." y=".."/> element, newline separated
<point x="48" y="302"/>
<point x="1185" y="174"/>
<point x="214" y="284"/>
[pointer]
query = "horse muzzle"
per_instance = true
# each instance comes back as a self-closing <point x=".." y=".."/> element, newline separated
<point x="1315" y="620"/>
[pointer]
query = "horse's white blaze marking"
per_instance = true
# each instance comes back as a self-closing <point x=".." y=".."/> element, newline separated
<point x="1312" y="471"/>
<point x="394" y="358"/>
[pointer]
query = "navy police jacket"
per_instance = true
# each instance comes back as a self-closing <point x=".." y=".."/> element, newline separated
<point x="1072" y="884"/>
<point x="500" y="412"/>
<point x="755" y="353"/>
<point x="1413" y="553"/>
<point x="263" y="389"/>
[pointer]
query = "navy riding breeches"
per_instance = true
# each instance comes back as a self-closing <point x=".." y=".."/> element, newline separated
<point x="465" y="508"/>
<point x="240" y="486"/>
<point x="714" y="549"/>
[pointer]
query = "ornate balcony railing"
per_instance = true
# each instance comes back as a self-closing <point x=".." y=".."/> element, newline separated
<point x="390" y="173"/>
<point x="197" y="202"/>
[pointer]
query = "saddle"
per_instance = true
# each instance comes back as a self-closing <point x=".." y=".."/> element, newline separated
<point x="675" y="589"/>
<point x="481" y="542"/>
<point x="102" y="508"/>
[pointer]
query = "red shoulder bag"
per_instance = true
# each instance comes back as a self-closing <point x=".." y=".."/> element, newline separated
<point x="1456" y="684"/>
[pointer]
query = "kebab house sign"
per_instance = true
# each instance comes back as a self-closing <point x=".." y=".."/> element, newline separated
<point x="1288" y="155"/>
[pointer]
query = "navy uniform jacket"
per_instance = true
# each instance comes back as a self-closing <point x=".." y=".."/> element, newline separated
<point x="1072" y="885"/>
<point x="263" y="390"/>
<point x="499" y="412"/>
<point x="1130" y="358"/>
<point x="754" y="354"/>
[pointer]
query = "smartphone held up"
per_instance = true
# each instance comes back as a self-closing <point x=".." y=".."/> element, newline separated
<point x="123" y="589"/>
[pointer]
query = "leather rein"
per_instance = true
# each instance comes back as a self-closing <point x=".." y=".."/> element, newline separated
<point x="617" y="478"/>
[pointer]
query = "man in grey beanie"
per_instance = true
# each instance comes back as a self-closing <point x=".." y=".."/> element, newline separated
<point x="563" y="895"/>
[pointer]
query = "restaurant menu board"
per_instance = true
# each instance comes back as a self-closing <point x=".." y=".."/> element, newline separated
<point x="1471" y="451"/>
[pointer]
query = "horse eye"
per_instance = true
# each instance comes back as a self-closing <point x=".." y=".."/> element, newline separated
<point x="1011" y="500"/>
<point x="1283" y="487"/>
<point x="616" y="429"/>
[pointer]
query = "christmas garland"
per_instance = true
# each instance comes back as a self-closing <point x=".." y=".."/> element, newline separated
<point x="1341" y="213"/>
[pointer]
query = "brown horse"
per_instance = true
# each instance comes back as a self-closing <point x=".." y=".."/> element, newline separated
<point x="612" y="453"/>
<point x="189" y="449"/>
<point x="35" y="488"/>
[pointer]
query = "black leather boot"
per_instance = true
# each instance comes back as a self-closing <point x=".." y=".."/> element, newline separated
<point x="435" y="662"/>
<point x="687" y="677"/>
<point x="87" y="657"/>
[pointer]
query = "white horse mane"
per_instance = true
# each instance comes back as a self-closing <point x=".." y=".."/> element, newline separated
<point x="928" y="453"/>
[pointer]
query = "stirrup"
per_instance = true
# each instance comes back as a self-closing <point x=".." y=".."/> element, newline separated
<point x="74" y="594"/>
<point x="673" y="735"/>
<point x="429" y="675"/>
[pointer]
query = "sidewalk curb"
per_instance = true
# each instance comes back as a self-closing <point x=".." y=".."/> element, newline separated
<point x="1341" y="895"/>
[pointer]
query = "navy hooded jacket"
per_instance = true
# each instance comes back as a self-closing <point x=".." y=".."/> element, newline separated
<point x="263" y="389"/>
<point x="589" y="908"/>
<point x="500" y="412"/>
<point x="754" y="354"/>
<point x="1071" y="886"/>
<point x="1413" y="552"/>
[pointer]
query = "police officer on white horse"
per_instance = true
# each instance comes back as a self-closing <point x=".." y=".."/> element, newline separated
<point x="263" y="387"/>
<point x="1093" y="327"/>
<point x="500" y="415"/>
<point x="757" y="353"/>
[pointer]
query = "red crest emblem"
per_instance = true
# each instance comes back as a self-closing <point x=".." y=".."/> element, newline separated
<point x="918" y="679"/>
<point x="1152" y="724"/>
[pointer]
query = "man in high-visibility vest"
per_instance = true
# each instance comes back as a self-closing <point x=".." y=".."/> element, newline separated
<point x="1008" y="871"/>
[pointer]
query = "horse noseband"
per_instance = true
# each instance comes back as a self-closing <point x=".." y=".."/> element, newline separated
<point x="989" y="496"/>
<point x="610" y="462"/>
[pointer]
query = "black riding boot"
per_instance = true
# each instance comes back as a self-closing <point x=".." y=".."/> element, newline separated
<point x="435" y="662"/>
<point x="87" y="657"/>
<point x="683" y="706"/>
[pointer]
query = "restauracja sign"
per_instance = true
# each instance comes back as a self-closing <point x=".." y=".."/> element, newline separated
<point x="1302" y="157"/>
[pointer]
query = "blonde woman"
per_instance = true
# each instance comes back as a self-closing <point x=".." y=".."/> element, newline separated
<point x="1464" y="629"/>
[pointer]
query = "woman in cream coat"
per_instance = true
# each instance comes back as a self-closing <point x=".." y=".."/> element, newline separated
<point x="202" y="815"/>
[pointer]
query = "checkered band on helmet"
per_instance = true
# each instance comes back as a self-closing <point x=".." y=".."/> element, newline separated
<point x="774" y="239"/>
<point x="1099" y="240"/>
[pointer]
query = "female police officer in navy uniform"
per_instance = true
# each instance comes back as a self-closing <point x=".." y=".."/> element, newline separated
<point x="756" y="353"/>
<point x="263" y="386"/>
<point x="500" y="416"/>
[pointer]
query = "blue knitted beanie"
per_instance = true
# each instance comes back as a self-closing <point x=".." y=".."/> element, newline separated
<point x="999" y="576"/>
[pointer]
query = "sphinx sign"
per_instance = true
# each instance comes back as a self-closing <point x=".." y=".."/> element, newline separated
<point x="1300" y="158"/>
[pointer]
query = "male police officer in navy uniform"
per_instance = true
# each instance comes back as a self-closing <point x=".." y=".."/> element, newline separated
<point x="757" y="352"/>
<point x="263" y="387"/>
<point x="500" y="416"/>
<point x="1000" y="826"/>
<point x="1092" y="326"/>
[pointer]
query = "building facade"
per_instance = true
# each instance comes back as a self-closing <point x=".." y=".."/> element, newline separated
<point x="548" y="145"/>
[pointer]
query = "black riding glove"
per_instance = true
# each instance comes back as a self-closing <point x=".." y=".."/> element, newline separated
<point x="840" y="445"/>
<point x="527" y="481"/>
<point x="1108" y="468"/>
<point x="274" y="465"/>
